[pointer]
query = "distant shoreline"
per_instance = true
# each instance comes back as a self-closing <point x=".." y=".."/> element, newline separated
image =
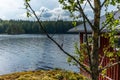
<point x="40" y="33"/>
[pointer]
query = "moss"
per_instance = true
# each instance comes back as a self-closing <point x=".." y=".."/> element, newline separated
<point x="44" y="75"/>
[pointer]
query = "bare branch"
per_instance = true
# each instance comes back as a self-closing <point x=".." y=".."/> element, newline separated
<point x="88" y="48"/>
<point x="103" y="3"/>
<point x="90" y="5"/>
<point x="102" y="60"/>
<point x="107" y="77"/>
<point x="83" y="14"/>
<point x="84" y="5"/>
<point x="109" y="65"/>
<point x="82" y="65"/>
<point x="41" y="13"/>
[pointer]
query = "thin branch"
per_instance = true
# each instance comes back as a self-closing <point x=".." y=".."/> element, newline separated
<point x="91" y="5"/>
<point x="107" y="77"/>
<point x="109" y="65"/>
<point x="83" y="66"/>
<point x="84" y="5"/>
<point x="103" y="3"/>
<point x="102" y="60"/>
<point x="88" y="49"/>
<point x="86" y="36"/>
<point x="83" y="14"/>
<point x="41" y="13"/>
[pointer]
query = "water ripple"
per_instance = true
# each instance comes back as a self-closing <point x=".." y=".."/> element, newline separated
<point x="31" y="52"/>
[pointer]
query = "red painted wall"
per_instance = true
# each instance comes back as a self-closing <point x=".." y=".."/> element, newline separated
<point x="113" y="72"/>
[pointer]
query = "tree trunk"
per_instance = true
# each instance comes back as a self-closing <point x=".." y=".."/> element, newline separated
<point x="95" y="47"/>
<point x="94" y="57"/>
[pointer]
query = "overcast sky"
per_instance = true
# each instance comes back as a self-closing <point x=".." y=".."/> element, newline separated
<point x="14" y="9"/>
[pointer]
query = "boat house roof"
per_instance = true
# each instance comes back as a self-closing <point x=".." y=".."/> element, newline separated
<point x="80" y="28"/>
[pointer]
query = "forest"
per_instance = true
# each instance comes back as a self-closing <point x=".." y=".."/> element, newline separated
<point x="32" y="27"/>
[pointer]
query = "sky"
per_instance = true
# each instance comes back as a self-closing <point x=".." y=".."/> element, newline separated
<point x="14" y="9"/>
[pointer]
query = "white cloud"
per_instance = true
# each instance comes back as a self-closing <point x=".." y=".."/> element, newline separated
<point x="3" y="17"/>
<point x="56" y="13"/>
<point x="13" y="9"/>
<point x="51" y="4"/>
<point x="10" y="8"/>
<point x="22" y="15"/>
<point x="44" y="8"/>
<point x="50" y="14"/>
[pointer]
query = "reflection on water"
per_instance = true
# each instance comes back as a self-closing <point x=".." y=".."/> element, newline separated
<point x="31" y="52"/>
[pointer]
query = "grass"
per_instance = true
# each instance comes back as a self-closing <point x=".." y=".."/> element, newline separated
<point x="43" y="75"/>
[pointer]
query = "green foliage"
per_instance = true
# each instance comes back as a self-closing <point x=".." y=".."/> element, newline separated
<point x="27" y="8"/>
<point x="28" y="14"/>
<point x="111" y="27"/>
<point x="32" y="27"/>
<point x="118" y="53"/>
<point x="104" y="72"/>
<point x="112" y="2"/>
<point x="74" y="23"/>
<point x="71" y="6"/>
<point x="69" y="60"/>
<point x="110" y="54"/>
<point x="111" y="51"/>
<point x="27" y="0"/>
<point x="79" y="54"/>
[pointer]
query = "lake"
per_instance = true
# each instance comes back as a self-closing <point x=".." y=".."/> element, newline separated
<point x="32" y="52"/>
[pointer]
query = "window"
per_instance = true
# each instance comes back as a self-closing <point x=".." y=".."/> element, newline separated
<point x="89" y="36"/>
<point x="117" y="43"/>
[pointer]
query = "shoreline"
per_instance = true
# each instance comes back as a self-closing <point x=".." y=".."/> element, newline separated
<point x="43" y="75"/>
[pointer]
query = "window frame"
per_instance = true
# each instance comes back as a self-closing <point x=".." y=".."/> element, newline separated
<point x="90" y="35"/>
<point x="117" y="45"/>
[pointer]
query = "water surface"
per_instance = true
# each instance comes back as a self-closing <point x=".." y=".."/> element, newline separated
<point x="32" y="52"/>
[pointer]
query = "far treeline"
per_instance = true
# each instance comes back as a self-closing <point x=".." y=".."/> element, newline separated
<point x="32" y="27"/>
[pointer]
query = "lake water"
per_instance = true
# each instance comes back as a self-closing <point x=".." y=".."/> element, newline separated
<point x="32" y="52"/>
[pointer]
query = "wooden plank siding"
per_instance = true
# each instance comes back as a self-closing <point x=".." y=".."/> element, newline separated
<point x="113" y="73"/>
